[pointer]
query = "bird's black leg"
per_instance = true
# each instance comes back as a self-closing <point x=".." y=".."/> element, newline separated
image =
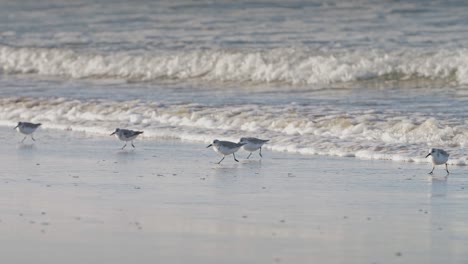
<point x="261" y="152"/>
<point x="133" y="145"/>
<point x="221" y="159"/>
<point x="23" y="139"/>
<point x="433" y="167"/>
<point x="32" y="138"/>
<point x="234" y="157"/>
<point x="249" y="155"/>
<point x="124" y="145"/>
<point x="446" y="168"/>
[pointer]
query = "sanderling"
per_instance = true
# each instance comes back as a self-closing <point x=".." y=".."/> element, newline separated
<point x="27" y="128"/>
<point x="126" y="135"/>
<point x="251" y="144"/>
<point x="225" y="148"/>
<point x="439" y="157"/>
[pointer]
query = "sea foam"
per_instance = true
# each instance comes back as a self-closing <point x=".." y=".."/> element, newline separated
<point x="284" y="65"/>
<point x="373" y="135"/>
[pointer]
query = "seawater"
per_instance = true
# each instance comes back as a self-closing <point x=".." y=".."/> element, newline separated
<point x="365" y="79"/>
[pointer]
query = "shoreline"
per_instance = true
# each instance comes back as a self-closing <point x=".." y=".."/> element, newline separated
<point x="75" y="198"/>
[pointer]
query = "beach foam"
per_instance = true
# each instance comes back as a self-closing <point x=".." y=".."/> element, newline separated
<point x="283" y="65"/>
<point x="290" y="128"/>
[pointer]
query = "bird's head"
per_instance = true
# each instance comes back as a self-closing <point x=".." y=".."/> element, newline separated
<point x="214" y="142"/>
<point x="116" y="131"/>
<point x="19" y="124"/>
<point x="431" y="153"/>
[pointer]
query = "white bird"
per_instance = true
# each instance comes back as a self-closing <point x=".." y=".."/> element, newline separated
<point x="252" y="144"/>
<point x="225" y="148"/>
<point x="439" y="157"/>
<point x="27" y="128"/>
<point x="126" y="135"/>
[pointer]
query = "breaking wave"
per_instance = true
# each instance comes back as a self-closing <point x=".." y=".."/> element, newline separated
<point x="369" y="134"/>
<point x="289" y="66"/>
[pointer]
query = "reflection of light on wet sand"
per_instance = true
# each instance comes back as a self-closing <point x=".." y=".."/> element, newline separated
<point x="86" y="196"/>
<point x="439" y="186"/>
<point x="26" y="146"/>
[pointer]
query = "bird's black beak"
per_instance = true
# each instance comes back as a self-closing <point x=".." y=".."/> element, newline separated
<point x="112" y="133"/>
<point x="16" y="127"/>
<point x="428" y="155"/>
<point x="210" y="145"/>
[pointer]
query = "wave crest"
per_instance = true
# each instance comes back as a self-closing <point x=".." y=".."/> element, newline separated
<point x="290" y="66"/>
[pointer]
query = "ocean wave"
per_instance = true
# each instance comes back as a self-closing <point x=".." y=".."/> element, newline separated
<point x="289" y="66"/>
<point x="290" y="128"/>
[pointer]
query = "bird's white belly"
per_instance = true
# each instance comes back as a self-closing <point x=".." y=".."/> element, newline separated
<point x="123" y="138"/>
<point x="26" y="130"/>
<point x="251" y="147"/>
<point x="439" y="159"/>
<point x="224" y="150"/>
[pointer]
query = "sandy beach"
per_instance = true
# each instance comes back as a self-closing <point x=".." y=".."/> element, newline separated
<point x="73" y="197"/>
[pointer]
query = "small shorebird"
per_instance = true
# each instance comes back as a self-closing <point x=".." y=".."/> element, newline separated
<point x="27" y="128"/>
<point x="252" y="144"/>
<point x="225" y="148"/>
<point x="126" y="135"/>
<point x="439" y="157"/>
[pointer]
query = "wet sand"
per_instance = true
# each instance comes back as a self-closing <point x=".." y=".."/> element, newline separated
<point x="76" y="198"/>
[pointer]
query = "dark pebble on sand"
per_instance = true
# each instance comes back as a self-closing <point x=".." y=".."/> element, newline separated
<point x="398" y="254"/>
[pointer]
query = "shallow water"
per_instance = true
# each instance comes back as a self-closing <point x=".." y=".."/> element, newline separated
<point x="357" y="79"/>
<point x="70" y="193"/>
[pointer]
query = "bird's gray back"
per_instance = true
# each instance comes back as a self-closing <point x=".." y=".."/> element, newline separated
<point x="257" y="140"/>
<point x="130" y="133"/>
<point x="229" y="144"/>
<point x="443" y="152"/>
<point x="31" y="125"/>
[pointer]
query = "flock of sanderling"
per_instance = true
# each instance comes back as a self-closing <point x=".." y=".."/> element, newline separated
<point x="224" y="148"/>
